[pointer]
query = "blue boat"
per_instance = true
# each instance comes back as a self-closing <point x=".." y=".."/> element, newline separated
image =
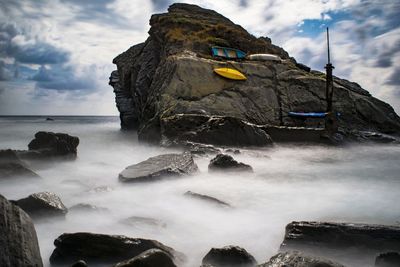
<point x="226" y="52"/>
<point x="308" y="114"/>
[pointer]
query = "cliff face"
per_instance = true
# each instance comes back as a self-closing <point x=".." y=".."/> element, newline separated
<point x="172" y="73"/>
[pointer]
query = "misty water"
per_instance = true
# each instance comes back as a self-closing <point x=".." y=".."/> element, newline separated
<point x="290" y="182"/>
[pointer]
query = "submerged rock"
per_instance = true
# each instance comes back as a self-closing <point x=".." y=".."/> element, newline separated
<point x="389" y="259"/>
<point x="149" y="258"/>
<point x="223" y="162"/>
<point x="341" y="241"/>
<point x="103" y="249"/>
<point x="159" y="167"/>
<point x="207" y="198"/>
<point x="229" y="256"/>
<point x="168" y="80"/>
<point x="84" y="207"/>
<point x="18" y="241"/>
<point x="297" y="259"/>
<point x="12" y="167"/>
<point x="140" y="221"/>
<point x="43" y="204"/>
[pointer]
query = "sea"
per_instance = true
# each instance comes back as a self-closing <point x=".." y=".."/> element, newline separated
<point x="291" y="182"/>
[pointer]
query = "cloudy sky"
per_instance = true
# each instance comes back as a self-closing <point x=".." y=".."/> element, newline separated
<point x="55" y="55"/>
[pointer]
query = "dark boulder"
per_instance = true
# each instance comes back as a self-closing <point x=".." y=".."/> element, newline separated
<point x="43" y="204"/>
<point x="297" y="259"/>
<point x="388" y="259"/>
<point x="207" y="198"/>
<point x="49" y="145"/>
<point x="11" y="166"/>
<point x="229" y="256"/>
<point x="143" y="221"/>
<point x="149" y="258"/>
<point x="341" y="241"/>
<point x="103" y="249"/>
<point x="18" y="241"/>
<point x="158" y="167"/>
<point x="216" y="130"/>
<point x="223" y="162"/>
<point x="80" y="263"/>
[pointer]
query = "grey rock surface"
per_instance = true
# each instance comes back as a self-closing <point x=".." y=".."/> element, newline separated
<point x="18" y="241"/>
<point x="206" y="198"/>
<point x="11" y="166"/>
<point x="224" y="162"/>
<point x="297" y="259"/>
<point x="159" y="167"/>
<point x="43" y="204"/>
<point x="229" y="256"/>
<point x="149" y="258"/>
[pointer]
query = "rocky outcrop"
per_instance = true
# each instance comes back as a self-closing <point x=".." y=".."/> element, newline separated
<point x="229" y="256"/>
<point x="341" y="241"/>
<point x="297" y="259"/>
<point x="103" y="249"/>
<point x="389" y="259"/>
<point x="171" y="74"/>
<point x="43" y="204"/>
<point x="159" y="167"/>
<point x="223" y="162"/>
<point x="149" y="258"/>
<point x="18" y="241"/>
<point x="12" y="167"/>
<point x="206" y="198"/>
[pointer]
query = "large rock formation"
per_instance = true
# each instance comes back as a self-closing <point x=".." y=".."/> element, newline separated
<point x="18" y="241"/>
<point x="297" y="259"/>
<point x="342" y="241"/>
<point x="171" y="75"/>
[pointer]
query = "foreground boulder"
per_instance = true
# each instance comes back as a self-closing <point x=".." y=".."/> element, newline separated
<point x="341" y="241"/>
<point x="229" y="256"/>
<point x="12" y="167"/>
<point x="159" y="167"/>
<point x="389" y="259"/>
<point x="18" y="241"/>
<point x="103" y="249"/>
<point x="51" y="145"/>
<point x="43" y="204"/>
<point x="207" y="198"/>
<point x="149" y="258"/>
<point x="168" y="80"/>
<point x="296" y="259"/>
<point x="223" y="162"/>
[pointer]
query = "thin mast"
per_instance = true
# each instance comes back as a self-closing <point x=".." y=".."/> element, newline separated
<point x="329" y="78"/>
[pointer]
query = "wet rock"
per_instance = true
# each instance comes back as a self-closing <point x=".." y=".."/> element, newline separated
<point x="149" y="258"/>
<point x="229" y="256"/>
<point x="223" y="162"/>
<point x="51" y="145"/>
<point x="341" y="241"/>
<point x="43" y="204"/>
<point x="297" y="259"/>
<point x="84" y="207"/>
<point x="140" y="221"/>
<point x="100" y="189"/>
<point x="207" y="198"/>
<point x="12" y="167"/>
<point x="372" y="137"/>
<point x="389" y="259"/>
<point x="216" y="130"/>
<point x="18" y="241"/>
<point x="103" y="249"/>
<point x="159" y="167"/>
<point x="49" y="119"/>
<point x="201" y="149"/>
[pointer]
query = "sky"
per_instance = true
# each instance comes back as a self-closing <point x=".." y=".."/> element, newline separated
<point x="56" y="55"/>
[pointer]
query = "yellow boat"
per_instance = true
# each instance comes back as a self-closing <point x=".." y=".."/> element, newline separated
<point x="230" y="73"/>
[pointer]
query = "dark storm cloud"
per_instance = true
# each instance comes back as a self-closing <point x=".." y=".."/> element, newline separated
<point x="385" y="58"/>
<point x="394" y="78"/>
<point x="61" y="79"/>
<point x="14" y="43"/>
